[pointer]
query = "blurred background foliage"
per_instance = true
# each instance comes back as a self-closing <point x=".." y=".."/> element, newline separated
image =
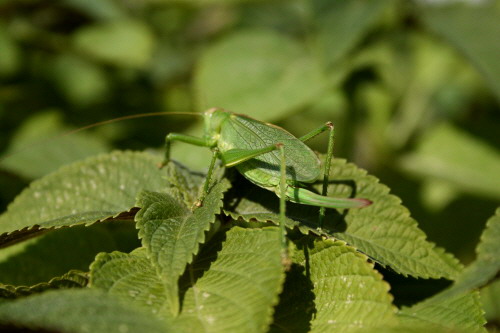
<point x="413" y="88"/>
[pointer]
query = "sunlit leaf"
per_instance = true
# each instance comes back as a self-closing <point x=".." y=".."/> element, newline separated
<point x="458" y="312"/>
<point x="171" y="233"/>
<point x="133" y="278"/>
<point x="238" y="292"/>
<point x="126" y="43"/>
<point x="345" y="292"/>
<point x="242" y="282"/>
<point x="85" y="192"/>
<point x="39" y="146"/>
<point x="449" y="154"/>
<point x="259" y="73"/>
<point x="384" y="231"/>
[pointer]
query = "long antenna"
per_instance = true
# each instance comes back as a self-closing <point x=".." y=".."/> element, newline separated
<point x="100" y="123"/>
<point x="132" y="116"/>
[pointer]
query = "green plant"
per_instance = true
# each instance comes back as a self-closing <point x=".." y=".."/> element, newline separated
<point x="411" y="86"/>
<point x="218" y="268"/>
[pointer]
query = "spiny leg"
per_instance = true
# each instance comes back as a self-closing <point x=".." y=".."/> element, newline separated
<point x="329" y="155"/>
<point x="284" y="247"/>
<point x="230" y="158"/>
<point x="236" y="156"/>
<point x="326" y="174"/>
<point x="208" y="178"/>
<point x="183" y="138"/>
<point x="327" y="126"/>
<point x="197" y="142"/>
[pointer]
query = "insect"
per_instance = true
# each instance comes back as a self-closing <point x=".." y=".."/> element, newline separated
<point x="269" y="157"/>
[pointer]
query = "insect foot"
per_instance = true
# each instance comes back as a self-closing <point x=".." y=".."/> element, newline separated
<point x="197" y="204"/>
<point x="285" y="260"/>
<point x="163" y="163"/>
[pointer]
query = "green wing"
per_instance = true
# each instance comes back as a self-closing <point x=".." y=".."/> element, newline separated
<point x="241" y="132"/>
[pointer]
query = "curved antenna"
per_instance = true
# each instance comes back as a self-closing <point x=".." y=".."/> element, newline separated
<point x="132" y="116"/>
<point x="100" y="123"/>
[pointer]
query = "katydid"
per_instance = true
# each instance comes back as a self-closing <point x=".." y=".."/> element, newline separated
<point x="265" y="154"/>
<point x="269" y="157"/>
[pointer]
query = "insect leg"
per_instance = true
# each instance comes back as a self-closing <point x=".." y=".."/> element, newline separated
<point x="236" y="156"/>
<point x="183" y="138"/>
<point x="319" y="130"/>
<point x="197" y="142"/>
<point x="326" y="173"/>
<point x="329" y="155"/>
<point x="284" y="247"/>
<point x="206" y="185"/>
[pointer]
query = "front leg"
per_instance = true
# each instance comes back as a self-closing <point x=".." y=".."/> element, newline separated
<point x="202" y="142"/>
<point x="206" y="185"/>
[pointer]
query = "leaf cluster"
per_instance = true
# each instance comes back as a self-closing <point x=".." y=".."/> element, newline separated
<point x="411" y="86"/>
<point x="218" y="268"/>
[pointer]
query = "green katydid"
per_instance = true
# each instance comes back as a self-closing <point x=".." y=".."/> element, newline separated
<point x="265" y="154"/>
<point x="269" y="157"/>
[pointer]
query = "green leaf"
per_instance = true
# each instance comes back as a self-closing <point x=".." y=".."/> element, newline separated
<point x="342" y="24"/>
<point x="78" y="311"/>
<point x="449" y="154"/>
<point x="172" y="233"/>
<point x="209" y="2"/>
<point x="133" y="278"/>
<point x="460" y="25"/>
<point x="98" y="9"/>
<point x="31" y="155"/>
<point x="55" y="253"/>
<point x="10" y="55"/>
<point x="81" y="82"/>
<point x="461" y="312"/>
<point x="184" y="184"/>
<point x="384" y="231"/>
<point x="487" y="264"/>
<point x="85" y="192"/>
<point x="332" y="288"/>
<point x="458" y="307"/>
<point x="255" y="71"/>
<point x="125" y="43"/>
<point x="407" y="328"/>
<point x="242" y="282"/>
<point x="72" y="279"/>
<point x="484" y="268"/>
<point x="490" y="298"/>
<point x="238" y="292"/>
